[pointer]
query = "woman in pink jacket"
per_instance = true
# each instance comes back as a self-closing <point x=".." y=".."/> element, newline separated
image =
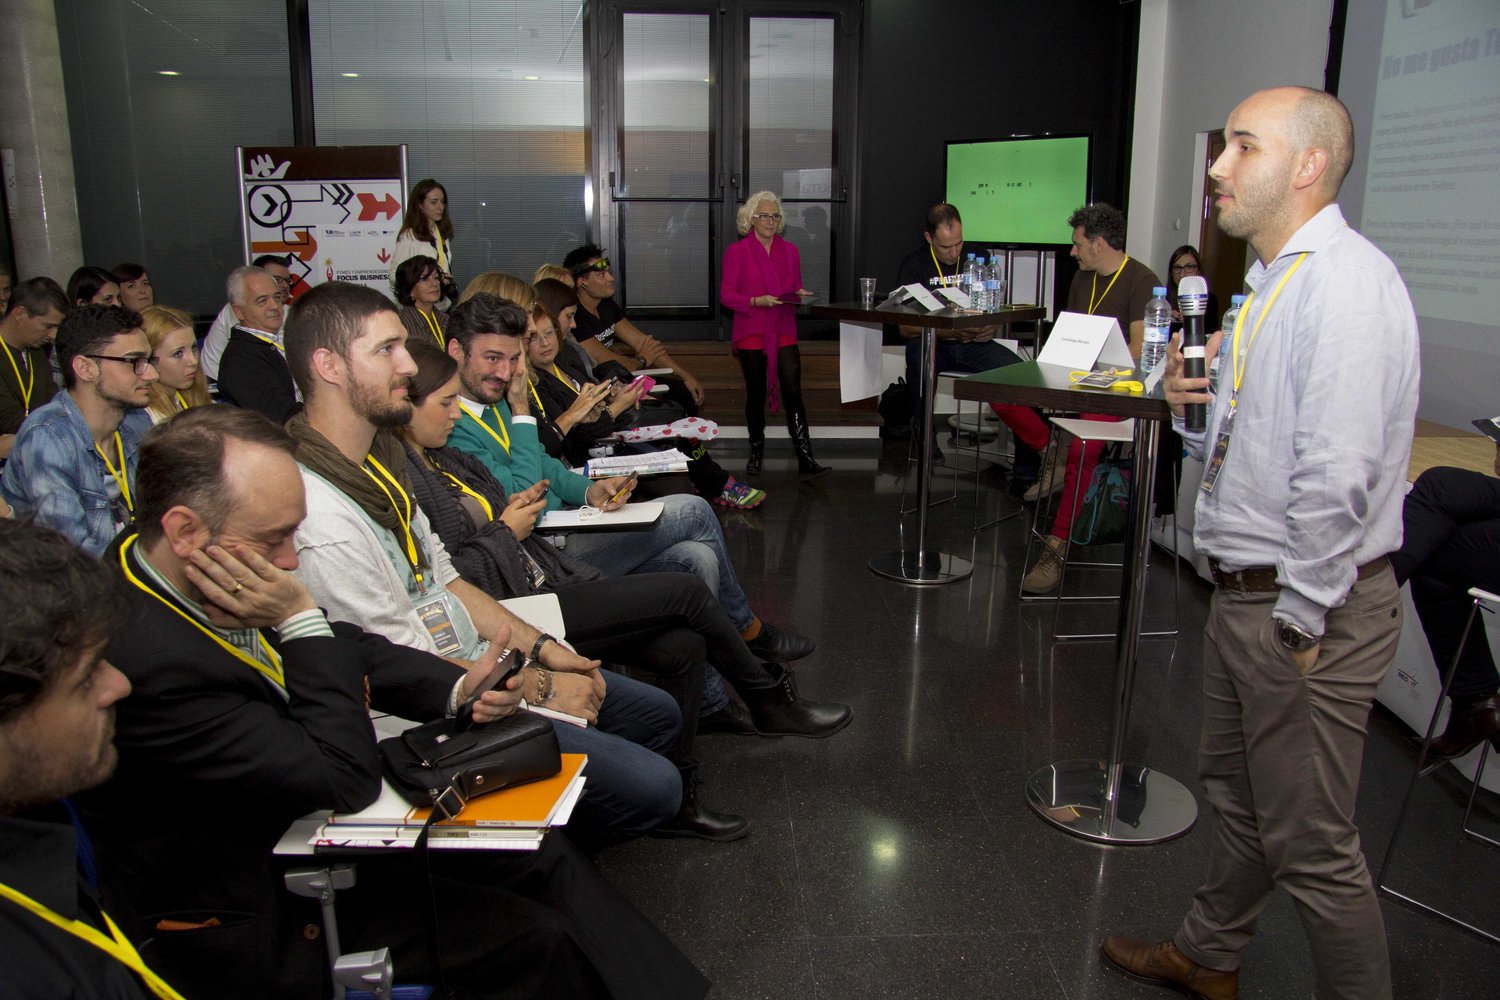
<point x="761" y="285"/>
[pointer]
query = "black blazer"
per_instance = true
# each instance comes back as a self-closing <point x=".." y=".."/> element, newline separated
<point x="254" y="375"/>
<point x="214" y="765"/>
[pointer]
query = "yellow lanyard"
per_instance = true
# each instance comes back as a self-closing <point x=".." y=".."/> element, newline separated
<point x="117" y="946"/>
<point x="432" y="324"/>
<point x="30" y="377"/>
<point x="271" y="671"/>
<point x="437" y="234"/>
<point x="489" y="511"/>
<point x="1095" y="286"/>
<point x="502" y="438"/>
<point x="404" y="518"/>
<point x="565" y="380"/>
<point x="279" y="348"/>
<point x="119" y="474"/>
<point x="1239" y="324"/>
<point x="539" y="407"/>
<point x="181" y="401"/>
<point x="941" y="276"/>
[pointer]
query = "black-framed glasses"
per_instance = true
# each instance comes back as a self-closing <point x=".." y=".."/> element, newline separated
<point x="1188" y="268"/>
<point x="602" y="264"/>
<point x="284" y="282"/>
<point x="137" y="361"/>
<point x="767" y="217"/>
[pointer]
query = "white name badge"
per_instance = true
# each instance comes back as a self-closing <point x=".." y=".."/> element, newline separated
<point x="1079" y="341"/>
<point x="957" y="296"/>
<point x="924" y="298"/>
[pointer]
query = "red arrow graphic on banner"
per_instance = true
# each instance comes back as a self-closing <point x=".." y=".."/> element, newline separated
<point x="369" y="207"/>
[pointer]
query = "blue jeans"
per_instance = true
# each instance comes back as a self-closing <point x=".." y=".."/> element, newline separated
<point x="632" y="786"/>
<point x="687" y="539"/>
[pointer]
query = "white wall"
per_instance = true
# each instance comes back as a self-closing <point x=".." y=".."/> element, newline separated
<point x="1198" y="59"/>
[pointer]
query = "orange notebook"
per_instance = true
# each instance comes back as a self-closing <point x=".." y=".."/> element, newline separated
<point x="530" y="805"/>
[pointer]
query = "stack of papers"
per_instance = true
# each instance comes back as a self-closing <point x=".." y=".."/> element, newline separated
<point x="511" y="820"/>
<point x="655" y="463"/>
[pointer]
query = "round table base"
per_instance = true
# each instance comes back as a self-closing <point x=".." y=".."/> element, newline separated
<point x="937" y="567"/>
<point x="1152" y="807"/>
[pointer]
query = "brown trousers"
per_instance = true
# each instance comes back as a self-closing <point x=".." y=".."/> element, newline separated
<point x="1279" y="761"/>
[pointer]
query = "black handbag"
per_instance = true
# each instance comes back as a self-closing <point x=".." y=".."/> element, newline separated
<point x="443" y="766"/>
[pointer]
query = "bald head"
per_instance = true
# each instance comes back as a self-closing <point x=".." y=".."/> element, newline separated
<point x="1319" y="120"/>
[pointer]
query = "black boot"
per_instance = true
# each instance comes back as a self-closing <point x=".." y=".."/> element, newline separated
<point x="695" y="819"/>
<point x="779" y="645"/>
<point x="757" y="452"/>
<point x="807" y="466"/>
<point x="778" y="711"/>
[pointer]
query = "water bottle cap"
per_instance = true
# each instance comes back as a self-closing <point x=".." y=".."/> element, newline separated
<point x="971" y="256"/>
<point x="1237" y="300"/>
<point x="1159" y="291"/>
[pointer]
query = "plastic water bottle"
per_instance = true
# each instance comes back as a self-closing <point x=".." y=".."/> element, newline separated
<point x="1158" y="330"/>
<point x="977" y="298"/>
<point x="1235" y="302"/>
<point x="966" y="278"/>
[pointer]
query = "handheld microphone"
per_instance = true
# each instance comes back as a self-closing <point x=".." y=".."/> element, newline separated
<point x="1192" y="301"/>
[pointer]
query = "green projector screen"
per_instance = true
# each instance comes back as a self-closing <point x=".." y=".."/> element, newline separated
<point x="1019" y="192"/>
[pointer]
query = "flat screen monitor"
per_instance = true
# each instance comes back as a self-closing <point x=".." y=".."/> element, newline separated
<point x="1019" y="192"/>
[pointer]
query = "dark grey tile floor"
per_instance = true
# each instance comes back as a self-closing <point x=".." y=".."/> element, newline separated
<point x="898" y="858"/>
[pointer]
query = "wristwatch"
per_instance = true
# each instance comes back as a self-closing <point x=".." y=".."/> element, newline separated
<point x="1294" y="638"/>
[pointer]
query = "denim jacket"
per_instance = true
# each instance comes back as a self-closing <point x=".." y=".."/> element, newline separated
<point x="56" y="475"/>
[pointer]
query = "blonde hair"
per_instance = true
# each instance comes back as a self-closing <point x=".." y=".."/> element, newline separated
<point x="158" y="322"/>
<point x="742" y="217"/>
<point x="553" y="271"/>
<point x="501" y="285"/>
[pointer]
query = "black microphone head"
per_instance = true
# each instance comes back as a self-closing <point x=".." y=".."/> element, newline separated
<point x="1192" y="295"/>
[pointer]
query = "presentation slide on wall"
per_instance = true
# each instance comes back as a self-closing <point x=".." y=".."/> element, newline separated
<point x="1422" y="79"/>
<point x="1019" y="191"/>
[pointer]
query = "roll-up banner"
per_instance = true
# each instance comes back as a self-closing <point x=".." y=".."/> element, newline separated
<point x="335" y="209"/>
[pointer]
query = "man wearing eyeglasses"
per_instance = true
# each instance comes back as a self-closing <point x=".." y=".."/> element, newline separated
<point x="73" y="464"/>
<point x="218" y="334"/>
<point x="600" y="325"/>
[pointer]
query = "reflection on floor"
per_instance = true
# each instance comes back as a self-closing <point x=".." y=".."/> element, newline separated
<point x="898" y="859"/>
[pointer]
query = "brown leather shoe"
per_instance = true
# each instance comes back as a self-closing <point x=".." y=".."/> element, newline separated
<point x="1470" y="722"/>
<point x="1163" y="964"/>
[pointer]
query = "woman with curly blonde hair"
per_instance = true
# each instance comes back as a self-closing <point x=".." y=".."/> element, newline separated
<point x="761" y="285"/>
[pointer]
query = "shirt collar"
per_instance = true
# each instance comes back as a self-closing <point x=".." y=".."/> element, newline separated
<point x="1312" y="237"/>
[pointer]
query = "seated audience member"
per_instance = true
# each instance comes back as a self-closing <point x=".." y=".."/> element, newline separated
<point x="217" y="337"/>
<point x="369" y="556"/>
<point x="1451" y="542"/>
<point x="73" y="464"/>
<point x="135" y="286"/>
<point x="651" y="621"/>
<point x="419" y="287"/>
<point x="249" y="711"/>
<point x="938" y="261"/>
<point x="1185" y="263"/>
<point x="601" y="324"/>
<point x="180" y="384"/>
<point x="56" y="722"/>
<point x="253" y="373"/>
<point x="574" y="418"/>
<point x="93" y="286"/>
<point x="553" y="272"/>
<point x="561" y="302"/>
<point x="1109" y="282"/>
<point x="496" y="427"/>
<point x="27" y="326"/>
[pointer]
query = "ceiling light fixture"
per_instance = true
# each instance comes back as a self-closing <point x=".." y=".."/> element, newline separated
<point x="167" y="72"/>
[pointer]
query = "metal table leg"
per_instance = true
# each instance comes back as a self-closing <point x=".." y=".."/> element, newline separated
<point x="1112" y="801"/>
<point x="922" y="565"/>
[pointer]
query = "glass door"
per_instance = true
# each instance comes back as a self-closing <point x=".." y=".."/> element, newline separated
<point x="695" y="105"/>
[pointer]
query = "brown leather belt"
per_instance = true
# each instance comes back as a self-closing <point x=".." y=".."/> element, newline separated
<point x="1262" y="579"/>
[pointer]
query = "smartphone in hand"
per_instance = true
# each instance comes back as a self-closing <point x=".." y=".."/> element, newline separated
<point x="510" y="663"/>
<point x="645" y="383"/>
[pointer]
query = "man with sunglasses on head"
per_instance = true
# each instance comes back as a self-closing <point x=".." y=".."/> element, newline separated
<point x="73" y="464"/>
<point x="601" y="326"/>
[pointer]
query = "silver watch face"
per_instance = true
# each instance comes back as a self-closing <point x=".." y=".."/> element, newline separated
<point x="1293" y="637"/>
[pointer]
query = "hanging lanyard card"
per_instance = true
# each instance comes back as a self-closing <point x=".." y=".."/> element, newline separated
<point x="1221" y="449"/>
<point x="437" y="619"/>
